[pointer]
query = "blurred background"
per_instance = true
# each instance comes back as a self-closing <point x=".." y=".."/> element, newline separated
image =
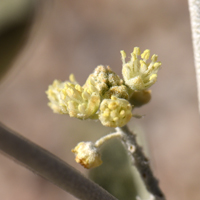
<point x="45" y="40"/>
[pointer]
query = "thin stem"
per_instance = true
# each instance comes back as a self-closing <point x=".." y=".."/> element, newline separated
<point x="103" y="139"/>
<point x="141" y="163"/>
<point x="194" y="8"/>
<point x="49" y="166"/>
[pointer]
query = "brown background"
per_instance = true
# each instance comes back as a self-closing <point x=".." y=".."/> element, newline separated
<point x="74" y="37"/>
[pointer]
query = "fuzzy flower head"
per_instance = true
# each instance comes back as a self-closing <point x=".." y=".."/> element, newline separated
<point x="81" y="103"/>
<point x="115" y="112"/>
<point x="87" y="155"/>
<point x="139" y="74"/>
<point x="70" y="98"/>
<point x="53" y="94"/>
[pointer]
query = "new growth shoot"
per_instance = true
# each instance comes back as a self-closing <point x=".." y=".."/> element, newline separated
<point x="106" y="97"/>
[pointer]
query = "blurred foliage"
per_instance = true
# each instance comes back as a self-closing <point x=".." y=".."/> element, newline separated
<point x="15" y="21"/>
<point x="11" y="43"/>
<point x="114" y="174"/>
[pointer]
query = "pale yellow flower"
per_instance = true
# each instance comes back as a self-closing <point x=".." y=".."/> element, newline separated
<point x="81" y="102"/>
<point x="115" y="112"/>
<point x="53" y="94"/>
<point x="70" y="98"/>
<point x="139" y="74"/>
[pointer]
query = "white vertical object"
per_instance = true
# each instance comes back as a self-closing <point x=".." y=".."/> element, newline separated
<point x="194" y="8"/>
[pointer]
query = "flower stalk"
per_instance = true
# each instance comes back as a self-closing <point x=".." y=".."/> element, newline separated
<point x="141" y="162"/>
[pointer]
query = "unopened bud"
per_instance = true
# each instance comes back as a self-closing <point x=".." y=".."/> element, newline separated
<point x="87" y="155"/>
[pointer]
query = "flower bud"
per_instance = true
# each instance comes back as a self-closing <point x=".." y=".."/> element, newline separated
<point x="139" y="98"/>
<point x="87" y="155"/>
<point x="103" y="79"/>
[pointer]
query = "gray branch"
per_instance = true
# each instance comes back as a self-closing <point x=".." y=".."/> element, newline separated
<point x="141" y="163"/>
<point x="49" y="166"/>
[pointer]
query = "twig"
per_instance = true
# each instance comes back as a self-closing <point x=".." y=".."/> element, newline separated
<point x="105" y="138"/>
<point x="49" y="166"/>
<point x="141" y="163"/>
<point x="194" y="8"/>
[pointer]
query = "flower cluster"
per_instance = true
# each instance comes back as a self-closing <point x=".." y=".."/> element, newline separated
<point x="105" y="96"/>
